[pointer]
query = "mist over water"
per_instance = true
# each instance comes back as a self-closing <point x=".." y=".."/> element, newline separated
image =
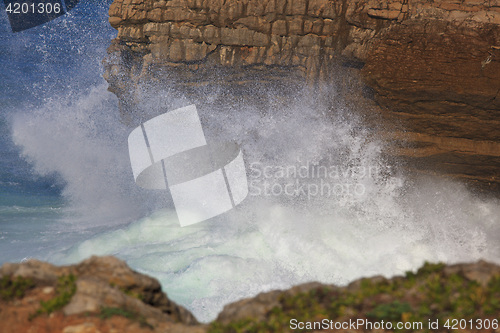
<point x="347" y="212"/>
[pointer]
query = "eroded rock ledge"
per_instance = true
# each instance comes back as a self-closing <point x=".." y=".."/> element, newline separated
<point x="102" y="294"/>
<point x="434" y="67"/>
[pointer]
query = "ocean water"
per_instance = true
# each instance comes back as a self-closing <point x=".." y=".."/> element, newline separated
<point x="67" y="190"/>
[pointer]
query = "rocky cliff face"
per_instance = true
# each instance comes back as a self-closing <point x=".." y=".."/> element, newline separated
<point x="102" y="295"/>
<point x="433" y="68"/>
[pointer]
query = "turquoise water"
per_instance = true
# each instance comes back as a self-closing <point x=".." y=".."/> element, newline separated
<point x="67" y="190"/>
<point x="29" y="204"/>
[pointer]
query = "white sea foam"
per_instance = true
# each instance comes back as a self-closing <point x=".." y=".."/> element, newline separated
<point x="269" y="241"/>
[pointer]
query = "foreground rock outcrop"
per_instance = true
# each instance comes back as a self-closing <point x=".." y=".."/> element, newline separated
<point x="433" y="68"/>
<point x="434" y="292"/>
<point x="102" y="294"/>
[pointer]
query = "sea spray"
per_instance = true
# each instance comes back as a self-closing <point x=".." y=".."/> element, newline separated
<point x="71" y="129"/>
<point x="270" y="241"/>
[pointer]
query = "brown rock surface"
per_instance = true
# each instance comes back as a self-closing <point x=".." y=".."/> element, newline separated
<point x="309" y="297"/>
<point x="109" y="297"/>
<point x="434" y="67"/>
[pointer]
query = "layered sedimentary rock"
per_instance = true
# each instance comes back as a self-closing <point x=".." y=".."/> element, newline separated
<point x="433" y="67"/>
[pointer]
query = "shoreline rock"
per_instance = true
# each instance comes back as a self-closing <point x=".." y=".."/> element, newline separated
<point x="110" y="297"/>
<point x="98" y="287"/>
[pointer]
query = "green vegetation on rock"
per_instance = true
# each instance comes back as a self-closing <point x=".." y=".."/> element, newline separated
<point x="12" y="288"/>
<point x="430" y="293"/>
<point x="390" y="311"/>
<point x="108" y="312"/>
<point x="65" y="289"/>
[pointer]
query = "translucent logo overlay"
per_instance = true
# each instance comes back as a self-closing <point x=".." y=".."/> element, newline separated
<point x="170" y="151"/>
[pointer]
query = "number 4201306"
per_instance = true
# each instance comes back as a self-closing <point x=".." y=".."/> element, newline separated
<point x="471" y="324"/>
<point x="31" y="8"/>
